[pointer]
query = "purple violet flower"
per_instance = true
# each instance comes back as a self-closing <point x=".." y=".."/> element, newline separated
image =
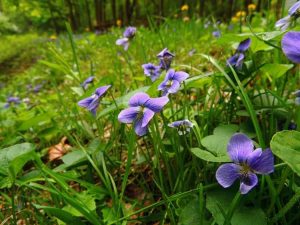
<point x="88" y="81"/>
<point x="182" y="126"/>
<point x="128" y="34"/>
<point x="151" y="71"/>
<point x="171" y="83"/>
<point x="37" y="88"/>
<point x="141" y="110"/>
<point x="216" y="33"/>
<point x="246" y="163"/>
<point x="92" y="102"/>
<point x="291" y="46"/>
<point x="238" y="58"/>
<point x="12" y="100"/>
<point x="293" y="14"/>
<point x="165" y="58"/>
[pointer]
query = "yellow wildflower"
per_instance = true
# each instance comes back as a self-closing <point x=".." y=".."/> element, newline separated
<point x="185" y="7"/>
<point x="251" y="7"/>
<point x="240" y="14"/>
<point x="53" y="37"/>
<point x="119" y="23"/>
<point x="235" y="19"/>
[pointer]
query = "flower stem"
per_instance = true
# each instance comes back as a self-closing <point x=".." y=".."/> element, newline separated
<point x="232" y="208"/>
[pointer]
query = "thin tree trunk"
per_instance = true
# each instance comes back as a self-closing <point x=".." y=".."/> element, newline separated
<point x="114" y="10"/>
<point x="54" y="22"/>
<point x="98" y="13"/>
<point x="88" y="14"/>
<point x="71" y="15"/>
<point x="202" y="2"/>
<point x="161" y="7"/>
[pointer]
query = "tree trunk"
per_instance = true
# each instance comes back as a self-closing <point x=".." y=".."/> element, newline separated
<point x="161" y="7"/>
<point x="88" y="14"/>
<point x="98" y="13"/>
<point x="71" y="15"/>
<point x="54" y="22"/>
<point x="114" y="11"/>
<point x="202" y="8"/>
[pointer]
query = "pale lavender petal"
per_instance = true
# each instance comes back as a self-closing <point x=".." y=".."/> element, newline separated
<point x="239" y="147"/>
<point x="122" y="41"/>
<point x="139" y="129"/>
<point x="180" y="76"/>
<point x="294" y="8"/>
<point x="148" y="115"/>
<point x="139" y="99"/>
<point x="244" y="45"/>
<point x="128" y="115"/>
<point x="291" y="46"/>
<point x="174" y="87"/>
<point x="248" y="182"/>
<point x="87" y="81"/>
<point x="170" y="75"/>
<point x="262" y="163"/>
<point x="101" y="90"/>
<point x="227" y="174"/>
<point x="126" y="46"/>
<point x="165" y="53"/>
<point x="86" y="102"/>
<point x="94" y="105"/>
<point x="240" y="60"/>
<point x="156" y="104"/>
<point x="283" y="23"/>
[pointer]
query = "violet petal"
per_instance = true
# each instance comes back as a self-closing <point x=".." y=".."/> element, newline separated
<point x="227" y="174"/>
<point x="248" y="182"/>
<point x="239" y="147"/>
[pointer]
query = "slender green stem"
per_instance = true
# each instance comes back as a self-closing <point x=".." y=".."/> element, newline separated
<point x="232" y="208"/>
<point x="13" y="207"/>
<point x="287" y="207"/>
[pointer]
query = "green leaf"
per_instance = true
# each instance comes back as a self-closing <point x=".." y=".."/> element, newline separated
<point x="207" y="156"/>
<point x="73" y="157"/>
<point x="286" y="146"/>
<point x="13" y="158"/>
<point x="258" y="45"/>
<point x="275" y="70"/>
<point x="217" y="143"/>
<point x="218" y="202"/>
<point x="87" y="200"/>
<point x="60" y="214"/>
<point x="190" y="214"/>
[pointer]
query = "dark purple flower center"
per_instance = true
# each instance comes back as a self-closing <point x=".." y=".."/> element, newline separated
<point x="245" y="169"/>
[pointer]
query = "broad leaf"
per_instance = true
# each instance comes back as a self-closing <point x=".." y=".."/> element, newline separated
<point x="275" y="70"/>
<point x="286" y="146"/>
<point x="218" y="203"/>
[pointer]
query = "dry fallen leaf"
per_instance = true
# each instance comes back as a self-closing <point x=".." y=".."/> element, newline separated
<point x="57" y="151"/>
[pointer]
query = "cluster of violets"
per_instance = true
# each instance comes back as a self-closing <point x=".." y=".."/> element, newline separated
<point x="142" y="107"/>
<point x="11" y="100"/>
<point x="246" y="162"/>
